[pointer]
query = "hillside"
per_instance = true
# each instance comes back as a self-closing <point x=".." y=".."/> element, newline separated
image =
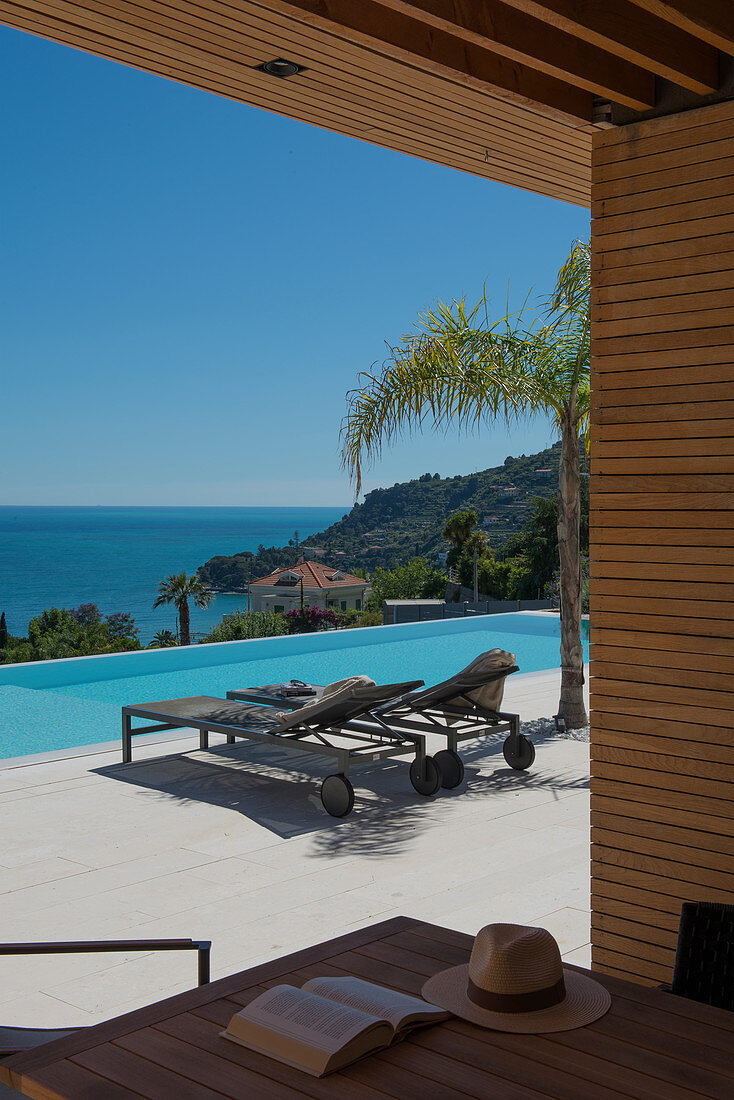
<point x="392" y="525"/>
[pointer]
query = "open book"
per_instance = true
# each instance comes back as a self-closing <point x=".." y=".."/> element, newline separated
<point x="329" y="1023"/>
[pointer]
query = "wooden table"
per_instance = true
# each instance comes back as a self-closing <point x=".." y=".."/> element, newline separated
<point x="651" y="1045"/>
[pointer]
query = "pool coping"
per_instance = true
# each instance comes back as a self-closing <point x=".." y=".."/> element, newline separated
<point x="21" y="673"/>
<point x="12" y="762"/>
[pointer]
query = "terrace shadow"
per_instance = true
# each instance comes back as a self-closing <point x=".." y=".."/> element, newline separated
<point x="391" y="833"/>
<point x="262" y="784"/>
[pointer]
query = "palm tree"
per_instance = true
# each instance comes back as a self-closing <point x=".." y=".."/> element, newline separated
<point x="163" y="639"/>
<point x="459" y="370"/>
<point x="459" y="527"/>
<point x="179" y="589"/>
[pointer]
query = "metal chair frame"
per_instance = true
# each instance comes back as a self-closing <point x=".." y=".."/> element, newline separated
<point x="84" y="947"/>
<point x="367" y="738"/>
<point x="16" y="1039"/>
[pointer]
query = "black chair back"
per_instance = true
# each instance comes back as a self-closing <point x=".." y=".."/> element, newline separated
<point x="704" y="959"/>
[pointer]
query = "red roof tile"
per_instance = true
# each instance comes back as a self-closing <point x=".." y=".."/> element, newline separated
<point x="315" y="575"/>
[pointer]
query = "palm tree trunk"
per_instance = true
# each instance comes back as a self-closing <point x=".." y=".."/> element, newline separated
<point x="571" y="706"/>
<point x="183" y="611"/>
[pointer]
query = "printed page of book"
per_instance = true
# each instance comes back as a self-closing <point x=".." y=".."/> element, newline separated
<point x="399" y="1009"/>
<point x="306" y="1030"/>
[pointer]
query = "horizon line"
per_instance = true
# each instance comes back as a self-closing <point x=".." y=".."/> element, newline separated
<point x="272" y="507"/>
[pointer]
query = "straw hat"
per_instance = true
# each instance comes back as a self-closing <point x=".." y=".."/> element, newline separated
<point x="515" y="981"/>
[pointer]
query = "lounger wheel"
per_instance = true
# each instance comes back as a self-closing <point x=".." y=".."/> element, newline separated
<point x="451" y="767"/>
<point x="337" y="795"/>
<point x="519" y="752"/>
<point x="425" y="776"/>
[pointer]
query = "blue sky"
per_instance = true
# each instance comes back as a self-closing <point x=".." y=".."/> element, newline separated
<point x="190" y="287"/>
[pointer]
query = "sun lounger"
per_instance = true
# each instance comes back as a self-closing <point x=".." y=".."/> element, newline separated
<point x="345" y="726"/>
<point x="464" y="707"/>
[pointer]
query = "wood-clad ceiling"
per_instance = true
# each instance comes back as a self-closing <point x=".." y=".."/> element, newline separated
<point x="508" y="90"/>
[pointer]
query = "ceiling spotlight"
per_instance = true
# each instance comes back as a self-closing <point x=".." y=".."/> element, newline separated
<point x="280" y="67"/>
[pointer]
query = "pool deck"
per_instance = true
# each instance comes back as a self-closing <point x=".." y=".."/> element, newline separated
<point x="228" y="845"/>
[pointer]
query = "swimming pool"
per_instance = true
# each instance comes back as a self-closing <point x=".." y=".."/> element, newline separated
<point x="52" y="705"/>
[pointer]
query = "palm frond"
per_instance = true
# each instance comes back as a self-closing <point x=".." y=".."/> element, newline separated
<point x="451" y="378"/>
<point x="458" y="370"/>
<point x="180" y="587"/>
<point x="569" y="299"/>
<point x="568" y="310"/>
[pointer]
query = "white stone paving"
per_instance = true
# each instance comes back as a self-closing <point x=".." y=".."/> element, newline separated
<point x="231" y="846"/>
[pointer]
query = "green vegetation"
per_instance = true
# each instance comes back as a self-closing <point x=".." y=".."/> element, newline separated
<point x="3" y="631"/>
<point x="459" y="531"/>
<point x="526" y="567"/>
<point x="458" y="369"/>
<point x="79" y="632"/>
<point x="407" y="520"/>
<point x="233" y="572"/>
<point x="537" y="541"/>
<point x="178" y="589"/>
<point x="248" y="624"/>
<point x="269" y="624"/>
<point x="164" y="639"/>
<point x="414" y="581"/>
<point x="346" y="620"/>
<point x="308" y="619"/>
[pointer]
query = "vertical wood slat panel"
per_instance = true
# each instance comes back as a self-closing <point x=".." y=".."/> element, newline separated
<point x="640" y="380"/>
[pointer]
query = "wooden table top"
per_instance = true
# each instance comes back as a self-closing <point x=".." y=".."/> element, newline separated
<point x="651" y="1045"/>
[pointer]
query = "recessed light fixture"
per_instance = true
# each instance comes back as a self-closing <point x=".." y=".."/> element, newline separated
<point x="280" y="68"/>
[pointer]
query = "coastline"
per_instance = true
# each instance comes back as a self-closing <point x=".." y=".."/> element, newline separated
<point x="116" y="557"/>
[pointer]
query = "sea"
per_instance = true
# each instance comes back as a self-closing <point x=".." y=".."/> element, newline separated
<point x="116" y="557"/>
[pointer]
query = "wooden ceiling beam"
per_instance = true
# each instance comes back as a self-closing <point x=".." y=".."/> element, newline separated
<point x="548" y="49"/>
<point x="245" y="36"/>
<point x="710" y="20"/>
<point x="414" y="42"/>
<point x="347" y="88"/>
<point x="633" y="33"/>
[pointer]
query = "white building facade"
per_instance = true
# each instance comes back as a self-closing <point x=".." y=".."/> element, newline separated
<point x="323" y="586"/>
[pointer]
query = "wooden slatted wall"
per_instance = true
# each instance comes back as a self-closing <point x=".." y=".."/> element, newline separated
<point x="663" y="533"/>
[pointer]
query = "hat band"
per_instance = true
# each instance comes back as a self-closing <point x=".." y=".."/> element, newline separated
<point x="533" y="1001"/>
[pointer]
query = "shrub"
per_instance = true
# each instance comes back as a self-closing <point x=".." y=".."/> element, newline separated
<point x="306" y="620"/>
<point x="164" y="639"/>
<point x="248" y="624"/>
<point x="59" y="632"/>
<point x="505" y="580"/>
<point x="87" y="614"/>
<point x="122" y="631"/>
<point x="371" y="618"/>
<point x="414" y="581"/>
<point x="348" y="620"/>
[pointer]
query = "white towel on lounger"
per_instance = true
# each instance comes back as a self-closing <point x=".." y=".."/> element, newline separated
<point x="340" y="689"/>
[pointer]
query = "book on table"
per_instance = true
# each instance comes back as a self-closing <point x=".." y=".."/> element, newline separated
<point x="329" y="1022"/>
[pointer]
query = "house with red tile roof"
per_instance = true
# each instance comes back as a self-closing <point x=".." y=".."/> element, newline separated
<point x="324" y="586"/>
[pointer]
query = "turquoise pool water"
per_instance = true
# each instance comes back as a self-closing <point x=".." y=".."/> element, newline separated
<point x="64" y="704"/>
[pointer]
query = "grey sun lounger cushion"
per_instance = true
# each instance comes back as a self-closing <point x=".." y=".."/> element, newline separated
<point x="340" y="708"/>
<point x="482" y="681"/>
<point x="208" y="708"/>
